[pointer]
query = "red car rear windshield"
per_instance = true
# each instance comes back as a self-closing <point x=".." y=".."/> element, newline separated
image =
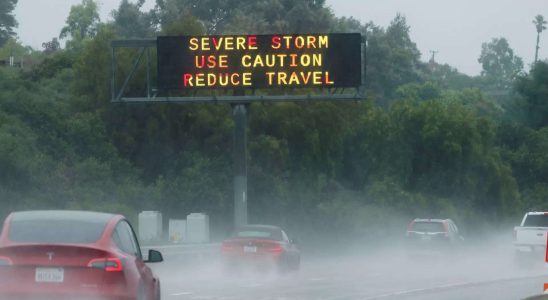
<point x="428" y="227"/>
<point x="56" y="231"/>
<point x="258" y="233"/>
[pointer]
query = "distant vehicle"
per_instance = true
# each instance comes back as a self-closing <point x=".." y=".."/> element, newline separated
<point x="73" y="255"/>
<point x="260" y="247"/>
<point x="530" y="236"/>
<point x="432" y="236"/>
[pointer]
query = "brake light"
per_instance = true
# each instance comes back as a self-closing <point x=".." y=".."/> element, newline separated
<point x="410" y="226"/>
<point x="225" y="247"/>
<point x="446" y="229"/>
<point x="276" y="249"/>
<point x="5" y="261"/>
<point x="107" y="264"/>
<point x="515" y="235"/>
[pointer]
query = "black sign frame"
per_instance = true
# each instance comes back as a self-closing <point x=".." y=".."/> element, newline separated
<point x="333" y="64"/>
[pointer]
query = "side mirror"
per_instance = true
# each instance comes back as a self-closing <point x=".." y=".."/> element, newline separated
<point x="294" y="241"/>
<point x="154" y="256"/>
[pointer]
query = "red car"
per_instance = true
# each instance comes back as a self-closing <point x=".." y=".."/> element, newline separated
<point x="432" y="237"/>
<point x="260" y="247"/>
<point x="73" y="255"/>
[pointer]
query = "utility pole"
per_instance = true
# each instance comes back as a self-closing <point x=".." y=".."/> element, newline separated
<point x="433" y="57"/>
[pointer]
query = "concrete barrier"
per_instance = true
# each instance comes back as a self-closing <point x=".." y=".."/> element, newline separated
<point x="188" y="253"/>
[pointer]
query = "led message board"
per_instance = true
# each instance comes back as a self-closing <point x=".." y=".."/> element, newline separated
<point x="259" y="61"/>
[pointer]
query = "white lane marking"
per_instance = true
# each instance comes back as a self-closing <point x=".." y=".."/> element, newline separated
<point x="182" y="294"/>
<point x="450" y="286"/>
<point x="317" y="279"/>
<point x="251" y="285"/>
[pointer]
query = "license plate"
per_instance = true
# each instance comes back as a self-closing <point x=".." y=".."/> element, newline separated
<point x="250" y="249"/>
<point x="426" y="237"/>
<point x="49" y="275"/>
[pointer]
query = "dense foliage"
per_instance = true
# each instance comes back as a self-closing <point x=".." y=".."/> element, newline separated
<point x="7" y="20"/>
<point x="427" y="141"/>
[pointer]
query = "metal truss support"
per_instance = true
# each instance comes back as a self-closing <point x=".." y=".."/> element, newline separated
<point x="143" y="45"/>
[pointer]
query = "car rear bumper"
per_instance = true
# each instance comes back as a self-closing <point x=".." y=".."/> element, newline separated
<point x="529" y="248"/>
<point x="62" y="297"/>
<point x="260" y="261"/>
<point x="22" y="293"/>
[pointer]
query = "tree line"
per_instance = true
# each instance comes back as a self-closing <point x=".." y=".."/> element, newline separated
<point x="426" y="140"/>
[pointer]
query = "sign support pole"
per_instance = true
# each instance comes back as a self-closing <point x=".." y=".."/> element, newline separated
<point x="170" y="61"/>
<point x="239" y="113"/>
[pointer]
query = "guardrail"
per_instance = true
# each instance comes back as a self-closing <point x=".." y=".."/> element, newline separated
<point x="189" y="252"/>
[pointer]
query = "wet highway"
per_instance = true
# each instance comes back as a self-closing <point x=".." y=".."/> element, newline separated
<point x="480" y="273"/>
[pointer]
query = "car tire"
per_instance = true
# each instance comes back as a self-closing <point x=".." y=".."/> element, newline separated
<point x="297" y="264"/>
<point x="158" y="293"/>
<point x="282" y="266"/>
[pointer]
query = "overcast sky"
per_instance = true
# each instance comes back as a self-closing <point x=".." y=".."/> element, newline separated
<point x="455" y="28"/>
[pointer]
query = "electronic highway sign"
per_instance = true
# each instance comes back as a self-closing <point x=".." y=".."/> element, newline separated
<point x="259" y="61"/>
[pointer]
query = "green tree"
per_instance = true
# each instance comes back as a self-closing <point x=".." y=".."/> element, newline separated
<point x="7" y="20"/>
<point x="539" y="26"/>
<point x="447" y="151"/>
<point x="392" y="58"/>
<point x="245" y="16"/>
<point x="447" y="76"/>
<point x="500" y="65"/>
<point x="12" y="47"/>
<point x="51" y="46"/>
<point x="185" y="25"/>
<point x="82" y="21"/>
<point x="130" y="22"/>
<point x="534" y="90"/>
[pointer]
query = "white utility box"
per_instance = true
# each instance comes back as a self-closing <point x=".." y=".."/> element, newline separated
<point x="197" y="228"/>
<point x="177" y="231"/>
<point x="150" y="226"/>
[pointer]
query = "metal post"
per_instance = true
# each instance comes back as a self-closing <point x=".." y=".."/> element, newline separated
<point x="364" y="60"/>
<point x="148" y="72"/>
<point x="113" y="75"/>
<point x="239" y="112"/>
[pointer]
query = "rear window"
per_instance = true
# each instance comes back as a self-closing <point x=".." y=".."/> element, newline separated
<point x="536" y="221"/>
<point x="56" y="231"/>
<point x="258" y="234"/>
<point x="428" y="227"/>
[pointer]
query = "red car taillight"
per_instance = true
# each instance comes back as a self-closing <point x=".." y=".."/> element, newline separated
<point x="446" y="229"/>
<point x="276" y="249"/>
<point x="409" y="228"/>
<point x="5" y="261"/>
<point x="107" y="264"/>
<point x="225" y="247"/>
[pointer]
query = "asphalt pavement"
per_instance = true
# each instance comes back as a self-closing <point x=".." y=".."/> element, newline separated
<point x="487" y="272"/>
